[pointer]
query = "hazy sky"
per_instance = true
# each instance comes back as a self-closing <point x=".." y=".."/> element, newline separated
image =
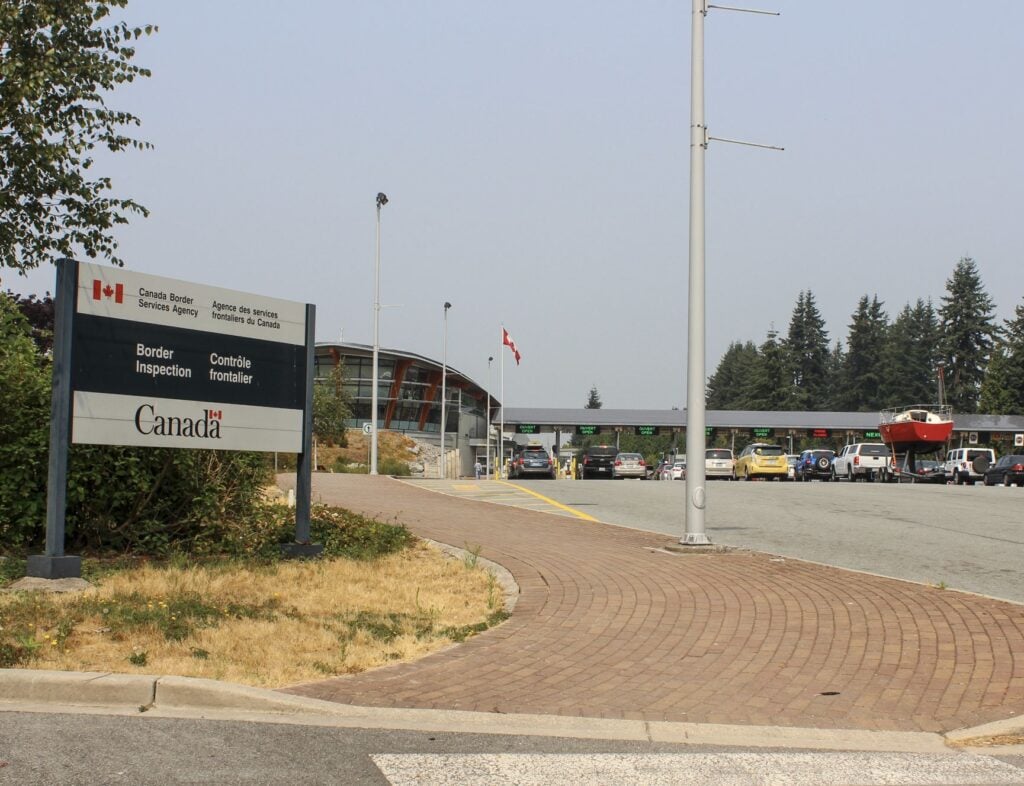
<point x="536" y="159"/>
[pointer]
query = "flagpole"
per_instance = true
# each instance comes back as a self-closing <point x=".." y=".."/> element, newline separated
<point x="501" y="427"/>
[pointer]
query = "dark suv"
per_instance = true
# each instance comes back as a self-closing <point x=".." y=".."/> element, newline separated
<point x="814" y="464"/>
<point x="597" y="462"/>
<point x="532" y="462"/>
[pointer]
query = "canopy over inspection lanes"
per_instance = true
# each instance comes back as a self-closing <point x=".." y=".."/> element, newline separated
<point x="842" y="426"/>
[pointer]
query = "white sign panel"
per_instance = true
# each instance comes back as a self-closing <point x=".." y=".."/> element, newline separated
<point x="1018" y="440"/>
<point x="111" y="419"/>
<point x="117" y="293"/>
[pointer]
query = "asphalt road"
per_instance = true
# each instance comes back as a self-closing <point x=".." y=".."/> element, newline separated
<point x="964" y="537"/>
<point x="104" y="749"/>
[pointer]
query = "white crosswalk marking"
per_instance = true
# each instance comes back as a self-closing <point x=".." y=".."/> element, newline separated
<point x="720" y="769"/>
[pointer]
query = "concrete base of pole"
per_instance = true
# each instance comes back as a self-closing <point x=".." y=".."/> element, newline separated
<point x="302" y="550"/>
<point x="44" y="566"/>
<point x="695" y="539"/>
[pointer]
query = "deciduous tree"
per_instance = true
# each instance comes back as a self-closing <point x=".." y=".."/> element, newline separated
<point x="60" y="60"/>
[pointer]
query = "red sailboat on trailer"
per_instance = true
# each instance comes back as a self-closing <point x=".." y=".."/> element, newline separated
<point x="919" y="428"/>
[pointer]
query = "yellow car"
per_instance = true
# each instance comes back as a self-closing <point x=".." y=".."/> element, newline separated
<point x="761" y="460"/>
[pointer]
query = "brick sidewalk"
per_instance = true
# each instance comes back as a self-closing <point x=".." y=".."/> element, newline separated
<point x="609" y="626"/>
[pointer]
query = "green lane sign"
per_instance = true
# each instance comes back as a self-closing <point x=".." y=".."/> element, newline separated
<point x="588" y="431"/>
<point x="762" y="433"/>
<point x="527" y="428"/>
<point x="646" y="431"/>
<point x="872" y="435"/>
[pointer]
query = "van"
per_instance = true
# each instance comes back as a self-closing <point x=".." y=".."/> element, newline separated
<point x="960" y="464"/>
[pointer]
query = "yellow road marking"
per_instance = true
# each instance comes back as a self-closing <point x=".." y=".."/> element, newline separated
<point x="464" y="487"/>
<point x="559" y="505"/>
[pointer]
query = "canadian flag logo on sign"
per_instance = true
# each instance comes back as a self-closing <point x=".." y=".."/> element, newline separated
<point x="100" y="292"/>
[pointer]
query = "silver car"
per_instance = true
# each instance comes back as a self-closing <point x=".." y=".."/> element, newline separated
<point x="629" y="465"/>
<point x="718" y="463"/>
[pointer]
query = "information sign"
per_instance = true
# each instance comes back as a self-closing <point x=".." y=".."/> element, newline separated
<point x="527" y="428"/>
<point x="646" y="431"/>
<point x="588" y="431"/>
<point x="158" y="362"/>
<point x="762" y="433"/>
<point x="872" y="435"/>
<point x="820" y="433"/>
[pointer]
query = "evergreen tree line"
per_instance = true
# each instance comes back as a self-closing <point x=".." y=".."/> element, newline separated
<point x="884" y="362"/>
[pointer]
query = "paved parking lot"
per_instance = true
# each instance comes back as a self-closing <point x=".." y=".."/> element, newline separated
<point x="963" y="537"/>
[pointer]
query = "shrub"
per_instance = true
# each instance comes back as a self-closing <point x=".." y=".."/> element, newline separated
<point x="146" y="499"/>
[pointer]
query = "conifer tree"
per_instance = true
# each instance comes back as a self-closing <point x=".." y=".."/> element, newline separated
<point x="728" y="386"/>
<point x="806" y="350"/>
<point x="1002" y="392"/>
<point x="861" y="377"/>
<point x="910" y="357"/>
<point x="968" y="334"/>
<point x="768" y="388"/>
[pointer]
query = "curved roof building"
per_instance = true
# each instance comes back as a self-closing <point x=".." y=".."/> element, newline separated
<point x="409" y="392"/>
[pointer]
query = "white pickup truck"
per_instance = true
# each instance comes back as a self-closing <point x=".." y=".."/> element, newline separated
<point x="862" y="460"/>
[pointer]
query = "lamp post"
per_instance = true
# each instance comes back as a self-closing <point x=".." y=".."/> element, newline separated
<point x="381" y="201"/>
<point x="487" y="425"/>
<point x="444" y="382"/>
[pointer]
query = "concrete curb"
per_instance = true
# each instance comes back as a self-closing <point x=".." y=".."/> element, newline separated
<point x="1010" y="727"/>
<point x="56" y="691"/>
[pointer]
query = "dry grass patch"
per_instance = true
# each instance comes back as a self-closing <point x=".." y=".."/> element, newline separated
<point x="266" y="626"/>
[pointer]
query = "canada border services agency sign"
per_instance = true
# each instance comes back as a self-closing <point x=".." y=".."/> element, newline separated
<point x="157" y="362"/>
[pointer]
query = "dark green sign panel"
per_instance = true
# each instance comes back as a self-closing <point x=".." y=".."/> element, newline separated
<point x="587" y="431"/>
<point x="646" y="431"/>
<point x="527" y="428"/>
<point x="709" y="431"/>
<point x="762" y="433"/>
<point x="872" y="435"/>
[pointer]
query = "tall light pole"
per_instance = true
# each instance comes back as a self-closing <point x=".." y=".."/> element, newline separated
<point x="487" y="425"/>
<point x="695" y="415"/>
<point x="444" y="383"/>
<point x="381" y="201"/>
<point x="695" y="412"/>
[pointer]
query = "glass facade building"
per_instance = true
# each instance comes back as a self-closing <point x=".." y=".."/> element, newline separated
<point x="408" y="391"/>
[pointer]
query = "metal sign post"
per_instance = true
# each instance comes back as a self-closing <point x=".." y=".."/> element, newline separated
<point x="54" y="563"/>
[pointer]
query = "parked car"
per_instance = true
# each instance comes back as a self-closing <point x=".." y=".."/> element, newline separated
<point x="930" y="471"/>
<point x="966" y="465"/>
<point x="1007" y="471"/>
<point x="534" y="462"/>
<point x="863" y="461"/>
<point x="678" y="469"/>
<point x="816" y="463"/>
<point x="761" y="460"/>
<point x="662" y="470"/>
<point x="718" y="463"/>
<point x="629" y="465"/>
<point x="597" y="462"/>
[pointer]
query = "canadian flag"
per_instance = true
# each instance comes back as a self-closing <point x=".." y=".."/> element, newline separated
<point x="99" y="291"/>
<point x="506" y="339"/>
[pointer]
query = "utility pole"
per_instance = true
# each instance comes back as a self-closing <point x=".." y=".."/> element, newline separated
<point x="695" y="374"/>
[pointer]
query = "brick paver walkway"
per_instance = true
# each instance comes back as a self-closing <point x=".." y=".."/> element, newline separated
<point x="609" y="625"/>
